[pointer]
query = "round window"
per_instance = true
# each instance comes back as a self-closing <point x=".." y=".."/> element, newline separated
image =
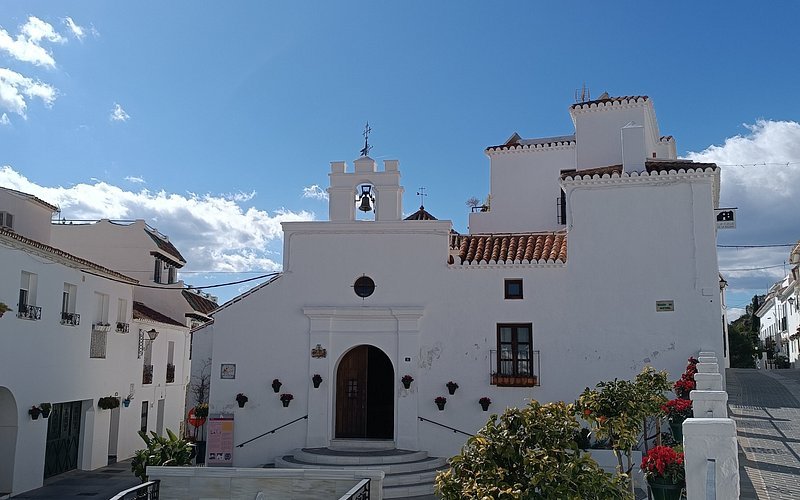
<point x="364" y="286"/>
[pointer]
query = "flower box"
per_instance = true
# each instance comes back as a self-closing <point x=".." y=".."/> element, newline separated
<point x="514" y="380"/>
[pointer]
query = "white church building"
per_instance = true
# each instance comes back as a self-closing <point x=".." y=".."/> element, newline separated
<point x="595" y="257"/>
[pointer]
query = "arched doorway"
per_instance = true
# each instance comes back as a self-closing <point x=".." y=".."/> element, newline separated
<point x="365" y="394"/>
<point x="8" y="439"/>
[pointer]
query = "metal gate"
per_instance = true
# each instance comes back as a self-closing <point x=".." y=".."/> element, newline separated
<point x="63" y="438"/>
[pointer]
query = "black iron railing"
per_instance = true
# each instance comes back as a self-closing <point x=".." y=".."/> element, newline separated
<point x="70" y="319"/>
<point x="241" y="445"/>
<point x="29" y="312"/>
<point x="358" y="492"/>
<point x="514" y="372"/>
<point x="145" y="491"/>
<point x="123" y="327"/>
<point x="147" y="374"/>
<point x="423" y="419"/>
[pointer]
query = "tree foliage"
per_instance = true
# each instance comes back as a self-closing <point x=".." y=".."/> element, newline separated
<point x="527" y="453"/>
<point x="161" y="451"/>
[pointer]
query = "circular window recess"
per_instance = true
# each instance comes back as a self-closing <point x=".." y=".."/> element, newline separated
<point x="364" y="286"/>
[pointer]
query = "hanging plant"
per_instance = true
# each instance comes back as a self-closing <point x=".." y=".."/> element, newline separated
<point x="46" y="409"/>
<point x="34" y="412"/>
<point x="440" y="402"/>
<point x="485" y="402"/>
<point x="406" y="380"/>
<point x="286" y="399"/>
<point x="241" y="399"/>
<point x="108" y="403"/>
<point x="316" y="379"/>
<point x="451" y="387"/>
<point x="276" y="385"/>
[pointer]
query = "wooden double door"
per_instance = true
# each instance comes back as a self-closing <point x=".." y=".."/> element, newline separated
<point x="63" y="438"/>
<point x="365" y="394"/>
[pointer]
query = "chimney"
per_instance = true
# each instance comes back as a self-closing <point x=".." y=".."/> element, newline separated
<point x="633" y="148"/>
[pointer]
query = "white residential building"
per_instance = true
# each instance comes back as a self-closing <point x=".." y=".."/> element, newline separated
<point x="75" y="334"/>
<point x="780" y="318"/>
<point x="595" y="257"/>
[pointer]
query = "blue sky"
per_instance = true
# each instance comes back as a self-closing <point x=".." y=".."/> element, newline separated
<point x="227" y="111"/>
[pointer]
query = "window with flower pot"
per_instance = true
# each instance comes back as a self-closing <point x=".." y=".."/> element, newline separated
<point x="515" y="361"/>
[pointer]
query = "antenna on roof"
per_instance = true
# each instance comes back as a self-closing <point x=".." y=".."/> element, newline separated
<point x="582" y="94"/>
<point x="367" y="147"/>
<point x="421" y="193"/>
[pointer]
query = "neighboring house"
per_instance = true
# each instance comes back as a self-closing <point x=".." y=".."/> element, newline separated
<point x="74" y="335"/>
<point x="780" y="318"/>
<point x="595" y="256"/>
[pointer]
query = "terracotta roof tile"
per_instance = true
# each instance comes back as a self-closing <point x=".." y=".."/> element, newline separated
<point x="141" y="311"/>
<point x="198" y="302"/>
<point x="510" y="248"/>
<point x="167" y="247"/>
<point x="78" y="262"/>
<point x="421" y="214"/>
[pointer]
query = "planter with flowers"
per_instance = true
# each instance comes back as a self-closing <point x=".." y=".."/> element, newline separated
<point x="276" y="385"/>
<point x="316" y="380"/>
<point x="406" y="380"/>
<point x="46" y="409"/>
<point x="451" y="387"/>
<point x="485" y="402"/>
<point x="108" y="403"/>
<point x="440" y="402"/>
<point x="34" y="412"/>
<point x="241" y="399"/>
<point x="686" y="384"/>
<point x="286" y="398"/>
<point x="664" y="470"/>
<point x="676" y="411"/>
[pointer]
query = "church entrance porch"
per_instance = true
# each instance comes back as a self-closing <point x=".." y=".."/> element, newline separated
<point x="365" y="394"/>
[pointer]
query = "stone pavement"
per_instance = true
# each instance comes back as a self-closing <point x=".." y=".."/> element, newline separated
<point x="100" y="484"/>
<point x="766" y="407"/>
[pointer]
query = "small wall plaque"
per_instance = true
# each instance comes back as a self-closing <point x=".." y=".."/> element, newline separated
<point x="665" y="305"/>
<point x="319" y="352"/>
<point x="227" y="371"/>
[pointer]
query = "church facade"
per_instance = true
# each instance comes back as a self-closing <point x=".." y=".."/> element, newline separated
<point x="595" y="256"/>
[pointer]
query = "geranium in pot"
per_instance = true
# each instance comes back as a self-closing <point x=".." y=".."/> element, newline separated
<point x="46" y="409"/>
<point x="664" y="470"/>
<point x="276" y="385"/>
<point x="485" y="402"/>
<point x="451" y="387"/>
<point x="440" y="402"/>
<point x="406" y="380"/>
<point x="241" y="399"/>
<point x="286" y="398"/>
<point x="316" y="380"/>
<point x="34" y="412"/>
<point x="676" y="411"/>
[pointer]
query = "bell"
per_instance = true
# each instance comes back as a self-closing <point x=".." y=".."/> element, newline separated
<point x="366" y="203"/>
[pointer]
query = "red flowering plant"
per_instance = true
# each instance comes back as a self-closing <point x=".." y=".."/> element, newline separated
<point x="685" y="385"/>
<point x="664" y="463"/>
<point x="677" y="410"/>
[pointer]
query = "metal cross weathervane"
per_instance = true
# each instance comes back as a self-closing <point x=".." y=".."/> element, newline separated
<point x="421" y="193"/>
<point x="367" y="147"/>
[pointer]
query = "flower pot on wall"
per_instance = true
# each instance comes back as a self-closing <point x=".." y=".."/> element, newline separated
<point x="440" y="402"/>
<point x="286" y="399"/>
<point x="663" y="489"/>
<point x="485" y="402"/>
<point x="316" y="380"/>
<point x="276" y="385"/>
<point x="451" y="387"/>
<point x="34" y="412"/>
<point x="46" y="409"/>
<point x="406" y="380"/>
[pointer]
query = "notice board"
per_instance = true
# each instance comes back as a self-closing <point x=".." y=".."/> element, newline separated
<point x="219" y="444"/>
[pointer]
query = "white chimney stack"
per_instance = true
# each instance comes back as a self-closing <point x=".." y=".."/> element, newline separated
<point x="633" y="148"/>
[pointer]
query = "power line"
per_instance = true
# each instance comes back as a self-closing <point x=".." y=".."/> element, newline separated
<point x="185" y="288"/>
<point x="758" y="246"/>
<point x="752" y="268"/>
<point x="759" y="164"/>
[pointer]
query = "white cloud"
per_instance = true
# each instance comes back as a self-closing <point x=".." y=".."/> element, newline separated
<point x="760" y="175"/>
<point x="26" y="47"/>
<point x="14" y="88"/>
<point x="212" y="232"/>
<point x="135" y="180"/>
<point x="4" y="119"/>
<point x="118" y="114"/>
<point x="76" y="30"/>
<point x="315" y="192"/>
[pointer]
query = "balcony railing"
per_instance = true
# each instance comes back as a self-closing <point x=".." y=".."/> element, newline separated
<point x="70" y="319"/>
<point x="170" y="373"/>
<point x="147" y="374"/>
<point x="123" y="327"/>
<point x="101" y="327"/>
<point x="518" y="372"/>
<point x="144" y="491"/>
<point x="29" y="312"/>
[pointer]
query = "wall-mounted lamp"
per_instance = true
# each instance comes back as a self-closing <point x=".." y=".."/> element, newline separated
<point x="152" y="334"/>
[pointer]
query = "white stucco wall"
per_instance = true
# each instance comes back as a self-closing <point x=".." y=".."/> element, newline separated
<point x="31" y="219"/>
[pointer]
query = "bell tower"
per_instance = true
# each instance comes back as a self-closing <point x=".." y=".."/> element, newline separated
<point x="365" y="188"/>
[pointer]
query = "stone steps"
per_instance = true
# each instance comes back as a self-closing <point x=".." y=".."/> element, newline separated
<point x="408" y="473"/>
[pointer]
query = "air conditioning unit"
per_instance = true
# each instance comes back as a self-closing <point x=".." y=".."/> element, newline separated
<point x="6" y="220"/>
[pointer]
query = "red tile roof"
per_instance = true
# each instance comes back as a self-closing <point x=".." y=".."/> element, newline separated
<point x="198" y="302"/>
<point x="76" y="262"/>
<point x="605" y="99"/>
<point x="508" y="248"/>
<point x="421" y="214"/>
<point x="141" y="311"/>
<point x="167" y="247"/>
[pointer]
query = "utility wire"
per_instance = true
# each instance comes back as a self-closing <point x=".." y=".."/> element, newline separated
<point x="185" y="288"/>
<point x="752" y="268"/>
<point x="758" y="246"/>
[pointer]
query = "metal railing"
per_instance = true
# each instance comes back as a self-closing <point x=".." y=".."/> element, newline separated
<point x="70" y="319"/>
<point x="29" y="312"/>
<point x="358" y="492"/>
<point x="423" y="419"/>
<point x="711" y="479"/>
<point x="514" y="372"/>
<point x="145" y="491"/>
<point x="123" y="327"/>
<point x="241" y="445"/>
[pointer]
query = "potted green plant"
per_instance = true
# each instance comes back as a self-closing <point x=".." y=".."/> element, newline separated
<point x="676" y="411"/>
<point x="451" y="387"/>
<point x="406" y="380"/>
<point x="34" y="412"/>
<point x="664" y="470"/>
<point x="201" y="410"/>
<point x="46" y="409"/>
<point x="440" y="402"/>
<point x="126" y="402"/>
<point x="485" y="402"/>
<point x="108" y="403"/>
<point x="286" y="398"/>
<point x="3" y="309"/>
<point x="317" y="380"/>
<point x="276" y="385"/>
<point x="241" y="399"/>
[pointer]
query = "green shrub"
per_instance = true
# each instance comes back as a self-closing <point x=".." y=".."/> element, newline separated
<point x="161" y="451"/>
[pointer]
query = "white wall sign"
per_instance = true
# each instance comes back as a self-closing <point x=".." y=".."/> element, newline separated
<point x="665" y="305"/>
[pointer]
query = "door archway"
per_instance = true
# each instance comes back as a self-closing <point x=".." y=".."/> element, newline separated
<point x="8" y="439"/>
<point x="365" y="394"/>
